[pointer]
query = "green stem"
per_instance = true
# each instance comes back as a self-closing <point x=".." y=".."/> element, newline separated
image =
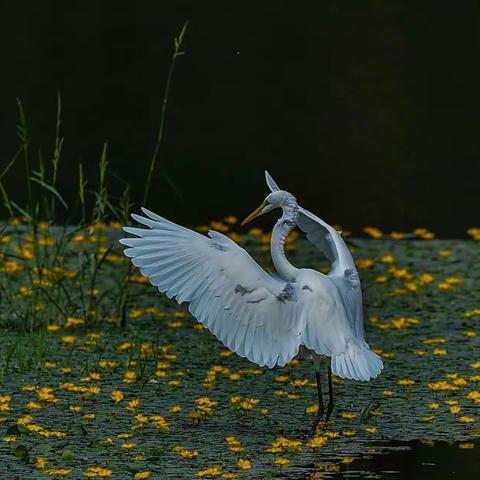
<point x="178" y="41"/>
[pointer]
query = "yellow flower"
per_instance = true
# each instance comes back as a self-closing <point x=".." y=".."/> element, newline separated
<point x="442" y="386"/>
<point x="434" y="406"/>
<point x="466" y="445"/>
<point x="474" y="395"/>
<point x="371" y="429"/>
<point x="406" y="382"/>
<point x="444" y="253"/>
<point x="188" y="454"/>
<point x="128" y="445"/>
<point x="159" y="422"/>
<point x="317" y="442"/>
<point x="426" y="278"/>
<point x="424" y="233"/>
<point x="411" y="286"/>
<point x="117" y="395"/>
<point x="454" y="409"/>
<point x="123" y="347"/>
<point x="428" y="418"/>
<point x="282" y="461"/>
<point x="365" y="263"/>
<point x="474" y="232"/>
<point x="72" y="322"/>
<point x="403" y="322"/>
<point x="347" y="460"/>
<point x="453" y="280"/>
<point x="401" y="273"/>
<point x="68" y="339"/>
<point x="231" y="220"/>
<point x="53" y="328"/>
<point x="256" y="232"/>
<point x="224" y="354"/>
<point x="349" y="433"/>
<point x="25" y="420"/>
<point x="388" y="393"/>
<point x="236" y="449"/>
<point x="348" y="415"/>
<point x="466" y="419"/>
<point x="387" y="259"/>
<point x="40" y="462"/>
<point x="232" y="440"/>
<point x="244" y="464"/>
<point x="175" y="409"/>
<point x="133" y="404"/>
<point x="97" y="472"/>
<point x="298" y="383"/>
<point x="440" y="351"/>
<point x="58" y="472"/>
<point x="431" y="341"/>
<point x="130" y="376"/>
<point x="176" y="324"/>
<point x="373" y="232"/>
<point x="142" y="475"/>
<point x="9" y="439"/>
<point x="209" y="472"/>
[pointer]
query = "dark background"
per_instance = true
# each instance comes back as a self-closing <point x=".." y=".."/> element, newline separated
<point x="367" y="111"/>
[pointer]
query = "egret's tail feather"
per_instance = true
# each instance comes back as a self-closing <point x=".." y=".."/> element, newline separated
<point x="357" y="363"/>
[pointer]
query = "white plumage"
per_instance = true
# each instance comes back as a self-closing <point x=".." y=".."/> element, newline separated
<point x="259" y="316"/>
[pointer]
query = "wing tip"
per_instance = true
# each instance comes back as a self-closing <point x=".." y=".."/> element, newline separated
<point x="356" y="363"/>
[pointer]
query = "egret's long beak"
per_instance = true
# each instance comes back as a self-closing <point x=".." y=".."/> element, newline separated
<point x="254" y="214"/>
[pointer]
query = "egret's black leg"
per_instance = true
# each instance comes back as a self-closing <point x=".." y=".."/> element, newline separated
<point x="321" y="408"/>
<point x="331" y="402"/>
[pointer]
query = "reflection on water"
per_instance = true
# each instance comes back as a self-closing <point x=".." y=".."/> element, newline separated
<point x="402" y="460"/>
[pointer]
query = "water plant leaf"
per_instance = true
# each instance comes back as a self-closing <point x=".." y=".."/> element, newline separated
<point x="367" y="411"/>
<point x="22" y="453"/>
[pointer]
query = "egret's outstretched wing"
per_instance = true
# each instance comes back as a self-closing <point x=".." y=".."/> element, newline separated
<point x="251" y="312"/>
<point x="343" y="272"/>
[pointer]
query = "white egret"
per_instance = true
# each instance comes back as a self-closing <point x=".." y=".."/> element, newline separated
<point x="263" y="317"/>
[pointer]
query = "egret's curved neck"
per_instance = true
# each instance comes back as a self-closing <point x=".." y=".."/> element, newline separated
<point x="279" y="234"/>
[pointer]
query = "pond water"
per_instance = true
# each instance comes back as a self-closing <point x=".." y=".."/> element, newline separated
<point x="164" y="396"/>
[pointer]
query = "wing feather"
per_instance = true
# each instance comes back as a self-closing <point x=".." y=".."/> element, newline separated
<point x="226" y="289"/>
<point x="343" y="272"/>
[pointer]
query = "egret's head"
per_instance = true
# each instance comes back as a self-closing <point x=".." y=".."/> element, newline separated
<point x="276" y="199"/>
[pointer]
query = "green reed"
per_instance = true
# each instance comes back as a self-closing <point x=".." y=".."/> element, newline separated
<point x="49" y="275"/>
